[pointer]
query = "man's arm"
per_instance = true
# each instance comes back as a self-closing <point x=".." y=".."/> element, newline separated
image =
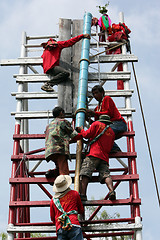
<point x="72" y="41"/>
<point x="52" y="213"/>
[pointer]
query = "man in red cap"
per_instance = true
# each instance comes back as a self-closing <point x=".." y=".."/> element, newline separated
<point x="51" y="56"/>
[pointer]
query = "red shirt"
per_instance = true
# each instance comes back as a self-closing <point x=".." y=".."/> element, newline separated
<point x="102" y="147"/>
<point x="51" y="58"/>
<point x="108" y="107"/>
<point x="71" y="201"/>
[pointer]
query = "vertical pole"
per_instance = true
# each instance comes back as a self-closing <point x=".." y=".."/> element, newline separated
<point x="83" y="75"/>
<point x="16" y="146"/>
<point x="131" y="147"/>
<point x="82" y="91"/>
<point x="77" y="29"/>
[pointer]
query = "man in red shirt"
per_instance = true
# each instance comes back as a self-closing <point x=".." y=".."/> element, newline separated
<point x="51" y="56"/>
<point x="64" y="209"/>
<point x="97" y="158"/>
<point x="107" y="106"/>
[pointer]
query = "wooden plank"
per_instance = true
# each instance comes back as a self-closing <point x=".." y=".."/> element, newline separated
<point x="32" y="78"/>
<point x="35" y="95"/>
<point x="48" y="114"/>
<point x="112" y="227"/>
<point x="54" y="95"/>
<point x="77" y="29"/>
<point x="114" y="58"/>
<point x="65" y="88"/>
<point x="30" y="229"/>
<point x="36" y="115"/>
<point x="22" y="61"/>
<point x="110" y="76"/>
<point x="51" y="228"/>
<point x="38" y="60"/>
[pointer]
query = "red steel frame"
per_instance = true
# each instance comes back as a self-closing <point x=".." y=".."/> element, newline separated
<point x="21" y="216"/>
<point x="19" y="209"/>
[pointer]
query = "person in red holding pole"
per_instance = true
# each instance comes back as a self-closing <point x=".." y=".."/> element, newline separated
<point x="51" y="57"/>
<point x="64" y="209"/>
<point x="107" y="106"/>
<point x="101" y="139"/>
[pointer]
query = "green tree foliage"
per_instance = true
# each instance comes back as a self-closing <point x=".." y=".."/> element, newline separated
<point x="3" y="236"/>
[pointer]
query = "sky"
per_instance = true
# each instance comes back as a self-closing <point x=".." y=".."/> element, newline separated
<point x="41" y="18"/>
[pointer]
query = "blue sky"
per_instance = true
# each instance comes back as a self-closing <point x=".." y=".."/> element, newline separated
<point x="41" y="18"/>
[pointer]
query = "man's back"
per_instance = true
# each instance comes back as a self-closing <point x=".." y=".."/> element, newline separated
<point x="102" y="147"/>
<point x="71" y="201"/>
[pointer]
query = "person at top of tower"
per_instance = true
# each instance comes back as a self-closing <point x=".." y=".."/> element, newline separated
<point x="57" y="136"/>
<point x="64" y="208"/>
<point x="51" y="57"/>
<point x="107" y="106"/>
<point x="99" y="133"/>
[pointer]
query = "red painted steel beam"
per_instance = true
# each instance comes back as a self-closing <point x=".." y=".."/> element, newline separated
<point x="86" y="203"/>
<point x="73" y="171"/>
<point x="45" y="180"/>
<point x="42" y="136"/>
<point x="28" y="136"/>
<point x="96" y="235"/>
<point x="43" y="238"/>
<point x="42" y="157"/>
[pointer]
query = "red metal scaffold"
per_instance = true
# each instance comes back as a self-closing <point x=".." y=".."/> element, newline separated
<point x="20" y="223"/>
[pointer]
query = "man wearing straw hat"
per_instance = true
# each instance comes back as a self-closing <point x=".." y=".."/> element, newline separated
<point x="64" y="209"/>
<point x="101" y="138"/>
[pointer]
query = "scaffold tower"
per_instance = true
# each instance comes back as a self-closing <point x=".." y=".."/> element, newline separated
<point x="31" y="191"/>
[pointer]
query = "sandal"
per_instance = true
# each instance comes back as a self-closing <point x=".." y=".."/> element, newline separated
<point x="112" y="195"/>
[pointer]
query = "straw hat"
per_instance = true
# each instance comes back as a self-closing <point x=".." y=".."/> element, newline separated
<point x="104" y="119"/>
<point x="61" y="183"/>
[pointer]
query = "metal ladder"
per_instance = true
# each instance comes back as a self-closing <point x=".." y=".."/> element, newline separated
<point x="25" y="173"/>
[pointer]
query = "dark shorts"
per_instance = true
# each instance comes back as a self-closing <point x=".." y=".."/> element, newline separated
<point x="91" y="163"/>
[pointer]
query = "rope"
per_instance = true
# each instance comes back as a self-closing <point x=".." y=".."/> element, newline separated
<point x="23" y="159"/>
<point x="145" y="128"/>
<point x="80" y="110"/>
<point x="108" y="49"/>
<point x="48" y="116"/>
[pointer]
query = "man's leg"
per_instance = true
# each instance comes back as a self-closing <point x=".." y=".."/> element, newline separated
<point x="87" y="168"/>
<point x="104" y="177"/>
<point x="84" y="180"/>
<point x="109" y="183"/>
<point x="75" y="233"/>
<point x="62" y="164"/>
<point x="58" y="74"/>
<point x="118" y="127"/>
<point x="62" y="234"/>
